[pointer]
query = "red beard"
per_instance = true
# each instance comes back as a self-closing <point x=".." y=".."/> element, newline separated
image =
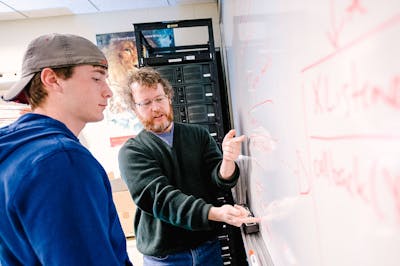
<point x="149" y="124"/>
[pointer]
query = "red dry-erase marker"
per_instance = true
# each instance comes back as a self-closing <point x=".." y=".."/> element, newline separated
<point x="253" y="258"/>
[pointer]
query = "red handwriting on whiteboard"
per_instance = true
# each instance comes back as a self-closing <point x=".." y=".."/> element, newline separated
<point x="301" y="170"/>
<point x="387" y="24"/>
<point x="338" y="25"/>
<point x="254" y="77"/>
<point x="374" y="184"/>
<point x="393" y="183"/>
<point x="352" y="96"/>
<point x="370" y="181"/>
<point x="360" y="136"/>
<point x="262" y="142"/>
<point x="253" y="120"/>
<point x="255" y="84"/>
<point x="303" y="174"/>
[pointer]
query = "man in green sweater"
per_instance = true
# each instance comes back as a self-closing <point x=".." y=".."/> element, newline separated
<point x="174" y="172"/>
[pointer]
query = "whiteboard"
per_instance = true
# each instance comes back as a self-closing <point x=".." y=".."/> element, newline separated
<point x="315" y="86"/>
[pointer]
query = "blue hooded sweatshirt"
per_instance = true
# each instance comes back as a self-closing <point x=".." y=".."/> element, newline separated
<point x="56" y="204"/>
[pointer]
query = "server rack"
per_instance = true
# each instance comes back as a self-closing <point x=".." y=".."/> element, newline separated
<point x="193" y="71"/>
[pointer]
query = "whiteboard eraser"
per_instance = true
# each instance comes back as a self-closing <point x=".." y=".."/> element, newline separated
<point x="250" y="228"/>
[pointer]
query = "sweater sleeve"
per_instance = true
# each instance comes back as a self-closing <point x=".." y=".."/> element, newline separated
<point x="153" y="192"/>
<point x="65" y="207"/>
<point x="213" y="158"/>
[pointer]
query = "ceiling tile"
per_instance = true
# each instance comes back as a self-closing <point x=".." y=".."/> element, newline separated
<point x="107" y="5"/>
<point x="23" y="9"/>
<point x="16" y="9"/>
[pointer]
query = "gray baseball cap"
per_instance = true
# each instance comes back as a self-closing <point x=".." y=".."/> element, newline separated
<point x="54" y="51"/>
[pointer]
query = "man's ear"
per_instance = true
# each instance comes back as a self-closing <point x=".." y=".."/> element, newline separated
<point x="50" y="79"/>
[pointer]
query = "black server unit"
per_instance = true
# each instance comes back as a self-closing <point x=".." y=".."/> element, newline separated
<point x="196" y="95"/>
<point x="193" y="71"/>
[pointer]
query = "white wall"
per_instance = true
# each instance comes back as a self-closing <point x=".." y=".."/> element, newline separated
<point x="17" y="34"/>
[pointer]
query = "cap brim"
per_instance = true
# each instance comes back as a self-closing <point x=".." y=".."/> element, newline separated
<point x="16" y="89"/>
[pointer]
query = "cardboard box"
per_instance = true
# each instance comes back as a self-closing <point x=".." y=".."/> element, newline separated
<point x="126" y="210"/>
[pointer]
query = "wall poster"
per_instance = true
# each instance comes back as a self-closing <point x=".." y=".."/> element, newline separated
<point x="105" y="138"/>
<point x="121" y="53"/>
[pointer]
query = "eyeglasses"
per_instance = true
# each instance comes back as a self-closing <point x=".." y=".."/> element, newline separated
<point x="158" y="100"/>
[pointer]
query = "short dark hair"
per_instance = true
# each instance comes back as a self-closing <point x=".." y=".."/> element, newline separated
<point x="35" y="92"/>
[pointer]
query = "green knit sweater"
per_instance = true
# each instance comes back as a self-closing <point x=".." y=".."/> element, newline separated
<point x="173" y="188"/>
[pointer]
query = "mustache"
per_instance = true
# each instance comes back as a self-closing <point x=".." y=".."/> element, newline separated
<point x="149" y="124"/>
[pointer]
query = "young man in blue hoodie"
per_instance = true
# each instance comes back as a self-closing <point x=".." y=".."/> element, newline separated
<point x="56" y="204"/>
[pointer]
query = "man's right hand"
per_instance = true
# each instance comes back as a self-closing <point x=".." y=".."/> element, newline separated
<point x="233" y="215"/>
